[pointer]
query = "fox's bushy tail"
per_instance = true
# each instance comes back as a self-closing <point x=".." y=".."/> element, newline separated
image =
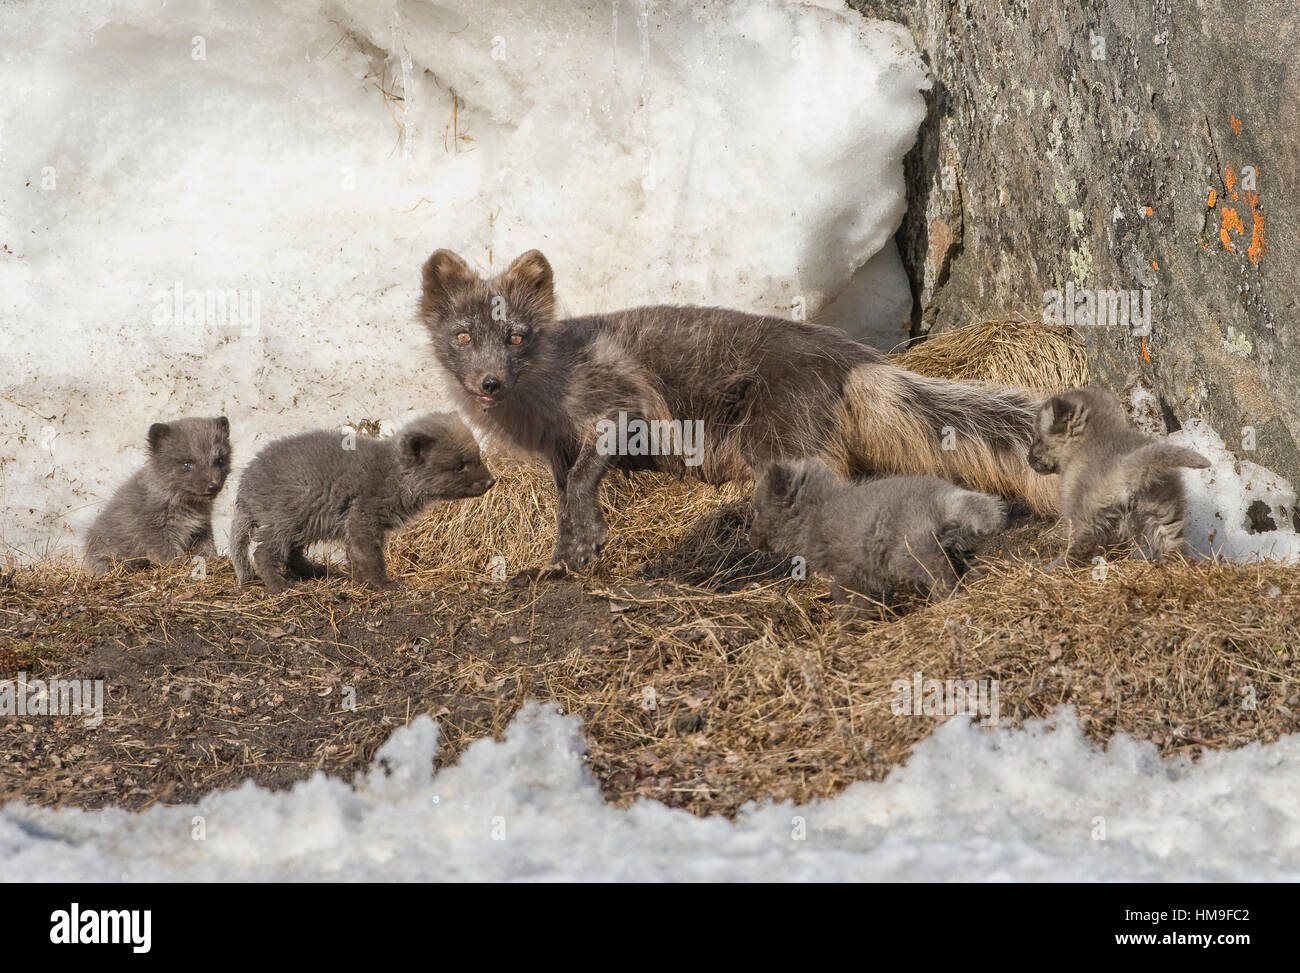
<point x="241" y="537"/>
<point x="896" y="421"/>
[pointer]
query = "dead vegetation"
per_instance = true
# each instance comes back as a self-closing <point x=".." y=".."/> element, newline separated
<point x="1010" y="350"/>
<point x="705" y="676"/>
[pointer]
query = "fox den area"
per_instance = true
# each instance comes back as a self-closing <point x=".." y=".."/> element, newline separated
<point x="705" y="675"/>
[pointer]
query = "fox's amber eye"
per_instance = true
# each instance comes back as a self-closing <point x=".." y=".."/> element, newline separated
<point x="516" y="339"/>
<point x="463" y="337"/>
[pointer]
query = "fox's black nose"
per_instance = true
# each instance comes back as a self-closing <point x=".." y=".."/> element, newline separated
<point x="490" y="383"/>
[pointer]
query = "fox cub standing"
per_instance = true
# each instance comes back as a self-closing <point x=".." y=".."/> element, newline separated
<point x="1118" y="486"/>
<point x="165" y="510"/>
<point x="873" y="537"/>
<point x="309" y="488"/>
<point x="763" y="388"/>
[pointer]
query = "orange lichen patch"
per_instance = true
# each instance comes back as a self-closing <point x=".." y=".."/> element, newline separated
<point x="1230" y="180"/>
<point x="1214" y="198"/>
<point x="1257" y="247"/>
<point x="1150" y="211"/>
<point x="1231" y="223"/>
<point x="1235" y="122"/>
<point x="1146" y="353"/>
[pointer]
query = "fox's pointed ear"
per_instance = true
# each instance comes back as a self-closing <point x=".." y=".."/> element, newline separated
<point x="414" y="446"/>
<point x="1069" y="415"/>
<point x="779" y="479"/>
<point x="157" y="433"/>
<point x="224" y="425"/>
<point x="444" y="275"/>
<point x="531" y="277"/>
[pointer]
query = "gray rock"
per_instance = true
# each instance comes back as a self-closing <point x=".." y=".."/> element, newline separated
<point x="1113" y="146"/>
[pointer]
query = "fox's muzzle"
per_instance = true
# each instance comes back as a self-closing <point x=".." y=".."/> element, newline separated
<point x="488" y="387"/>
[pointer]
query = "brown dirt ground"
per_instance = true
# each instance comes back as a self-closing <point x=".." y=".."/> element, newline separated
<point x="757" y="691"/>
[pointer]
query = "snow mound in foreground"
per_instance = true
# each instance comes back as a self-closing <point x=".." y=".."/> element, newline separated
<point x="1040" y="803"/>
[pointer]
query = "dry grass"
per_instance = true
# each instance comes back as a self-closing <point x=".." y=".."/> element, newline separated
<point x="704" y="691"/>
<point x="1014" y="350"/>
<point x="704" y="675"/>
<point x="679" y="528"/>
<point x="1150" y="649"/>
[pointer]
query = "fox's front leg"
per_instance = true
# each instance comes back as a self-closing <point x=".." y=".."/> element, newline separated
<point x="1084" y="546"/>
<point x="203" y="544"/>
<point x="580" y="526"/>
<point x="560" y="468"/>
<point x="163" y="550"/>
<point x="611" y="389"/>
<point x="580" y="530"/>
<point x="364" y="540"/>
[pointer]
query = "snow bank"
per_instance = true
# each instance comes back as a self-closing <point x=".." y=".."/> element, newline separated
<point x="223" y="208"/>
<point x="1236" y="509"/>
<point x="1039" y="803"/>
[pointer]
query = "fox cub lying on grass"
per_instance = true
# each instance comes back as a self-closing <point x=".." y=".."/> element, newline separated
<point x="165" y="510"/>
<point x="308" y="488"/>
<point x="873" y="537"/>
<point x="1118" y="486"/>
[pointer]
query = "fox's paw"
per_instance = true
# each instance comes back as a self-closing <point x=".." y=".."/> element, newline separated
<point x="582" y="548"/>
<point x="275" y="585"/>
<point x="1059" y="563"/>
<point x="589" y="537"/>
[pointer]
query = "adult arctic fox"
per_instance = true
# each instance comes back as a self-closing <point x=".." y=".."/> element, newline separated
<point x="765" y="389"/>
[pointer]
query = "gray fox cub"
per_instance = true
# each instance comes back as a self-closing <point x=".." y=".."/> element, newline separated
<point x="165" y="510"/>
<point x="308" y="488"/>
<point x="872" y="537"/>
<point x="1118" y="486"/>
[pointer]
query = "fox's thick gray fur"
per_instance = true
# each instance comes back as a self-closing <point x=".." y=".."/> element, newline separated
<point x="1118" y="486"/>
<point x="877" y="537"/>
<point x="164" y="511"/>
<point x="765" y="388"/>
<point x="317" y="486"/>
